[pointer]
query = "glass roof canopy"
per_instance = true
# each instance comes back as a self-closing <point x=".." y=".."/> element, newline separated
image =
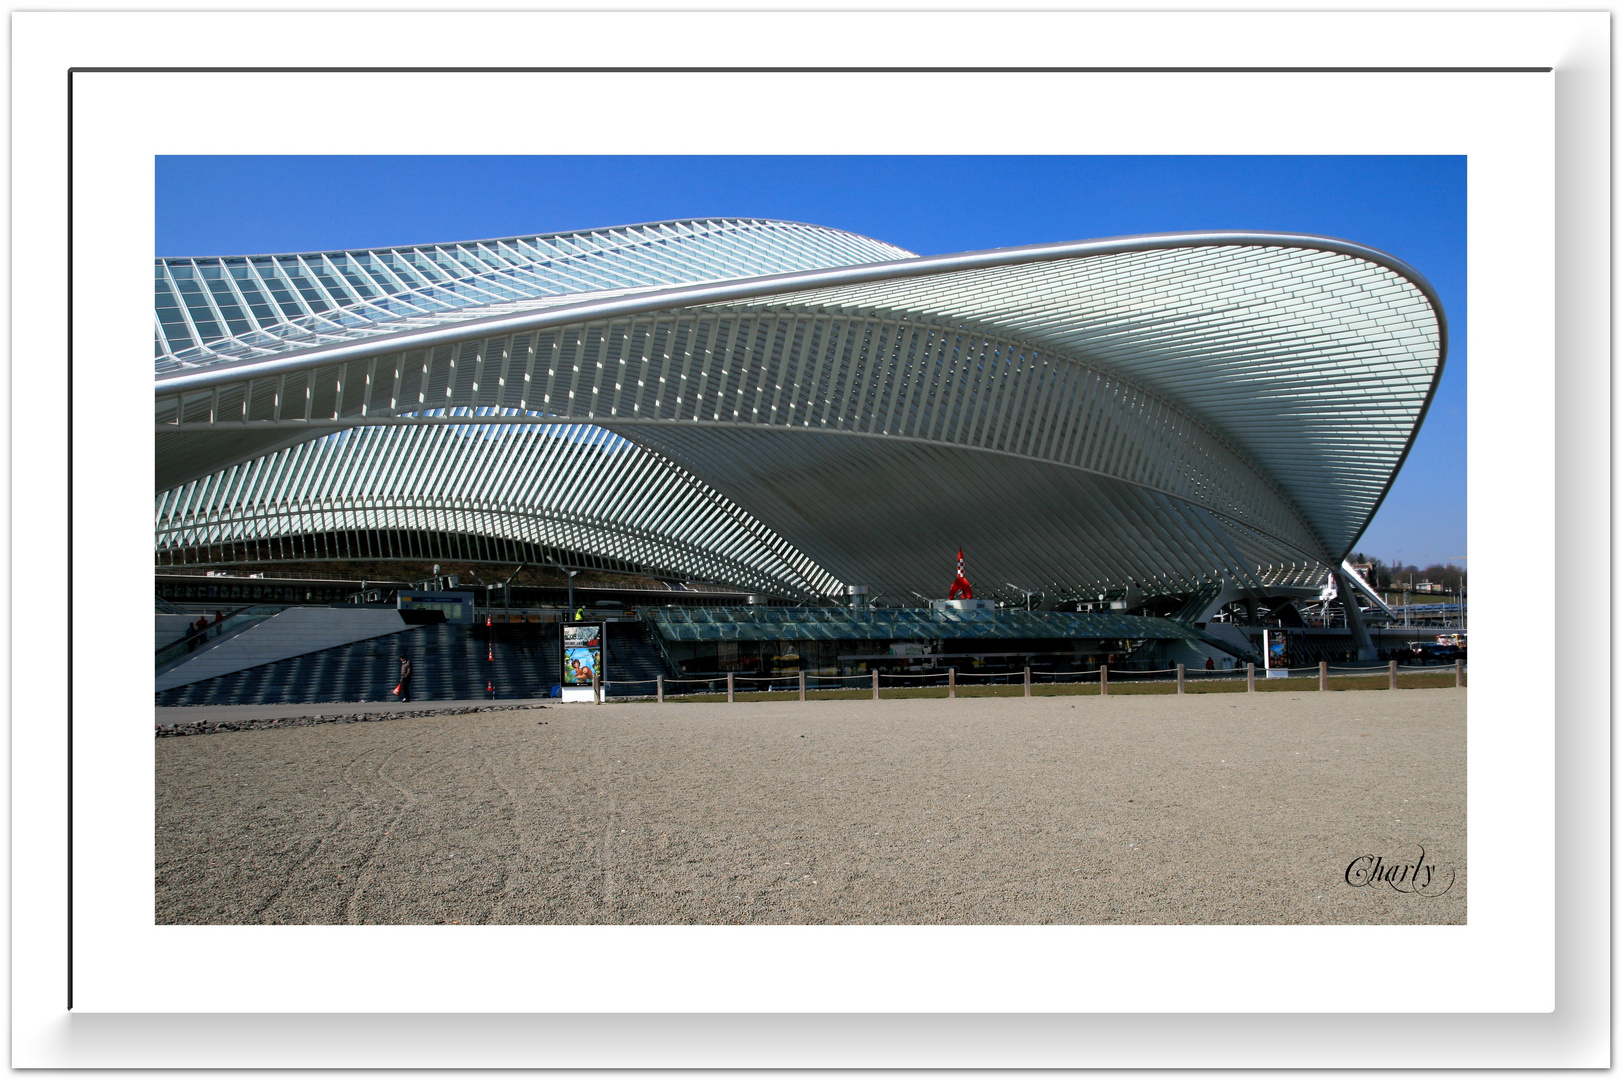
<point x="261" y="305"/>
<point x="912" y="624"/>
<point x="1165" y="412"/>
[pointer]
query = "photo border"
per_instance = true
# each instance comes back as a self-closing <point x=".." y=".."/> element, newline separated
<point x="1577" y="353"/>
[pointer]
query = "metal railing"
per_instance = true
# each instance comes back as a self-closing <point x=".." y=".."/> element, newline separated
<point x="241" y="617"/>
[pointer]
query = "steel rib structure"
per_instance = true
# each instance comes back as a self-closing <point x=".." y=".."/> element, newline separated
<point x="793" y="409"/>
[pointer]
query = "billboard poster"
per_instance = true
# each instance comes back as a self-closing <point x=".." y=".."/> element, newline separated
<point x="582" y="654"/>
<point x="1274" y="657"/>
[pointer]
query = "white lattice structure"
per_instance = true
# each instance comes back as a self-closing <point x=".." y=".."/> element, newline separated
<point x="793" y="408"/>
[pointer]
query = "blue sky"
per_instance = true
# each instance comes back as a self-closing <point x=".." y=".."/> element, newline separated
<point x="1412" y="207"/>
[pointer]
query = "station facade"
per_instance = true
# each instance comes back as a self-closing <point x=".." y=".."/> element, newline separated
<point x="1187" y="427"/>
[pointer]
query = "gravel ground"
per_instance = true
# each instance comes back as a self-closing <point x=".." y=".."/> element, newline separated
<point x="1200" y="809"/>
<point x="248" y="722"/>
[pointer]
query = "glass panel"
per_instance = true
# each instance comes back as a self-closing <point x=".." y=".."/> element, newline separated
<point x="361" y="285"/>
<point x="249" y="285"/>
<point x="175" y="330"/>
<point x="338" y="292"/>
<point x="307" y="288"/>
<point x="422" y="265"/>
<point x="226" y="301"/>
<point x="202" y="316"/>
<point x="278" y="287"/>
<point x="366" y="264"/>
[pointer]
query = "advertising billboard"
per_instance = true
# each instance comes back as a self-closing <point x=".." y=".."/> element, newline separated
<point x="582" y="655"/>
<point x="1275" y="654"/>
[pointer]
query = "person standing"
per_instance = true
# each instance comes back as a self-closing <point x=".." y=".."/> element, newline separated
<point x="404" y="689"/>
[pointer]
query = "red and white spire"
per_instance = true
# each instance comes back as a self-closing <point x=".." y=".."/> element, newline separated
<point x="961" y="589"/>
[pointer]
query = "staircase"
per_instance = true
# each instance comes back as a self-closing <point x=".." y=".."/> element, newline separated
<point x="1198" y="603"/>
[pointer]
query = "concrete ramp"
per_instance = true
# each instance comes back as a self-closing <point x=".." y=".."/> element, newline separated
<point x="1237" y="639"/>
<point x="1191" y="654"/>
<point x="293" y="632"/>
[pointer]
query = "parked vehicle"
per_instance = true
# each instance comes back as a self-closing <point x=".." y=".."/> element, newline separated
<point x="1428" y="652"/>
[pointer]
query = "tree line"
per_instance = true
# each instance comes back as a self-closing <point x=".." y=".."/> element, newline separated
<point x="1394" y="575"/>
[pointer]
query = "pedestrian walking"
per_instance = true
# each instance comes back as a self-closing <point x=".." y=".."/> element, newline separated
<point x="404" y="689"/>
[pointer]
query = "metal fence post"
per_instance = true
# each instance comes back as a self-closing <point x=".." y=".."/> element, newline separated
<point x="951" y="682"/>
<point x="1323" y="675"/>
<point x="1458" y="673"/>
<point x="1103" y="680"/>
<point x="1027" y="681"/>
<point x="659" y="687"/>
<point x="1393" y="674"/>
<point x="1250" y="678"/>
<point x="1180" y="673"/>
<point x="875" y="686"/>
<point x="730" y="696"/>
<point x="802" y="686"/>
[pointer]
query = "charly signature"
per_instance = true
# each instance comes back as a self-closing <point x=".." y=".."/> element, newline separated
<point x="1420" y="876"/>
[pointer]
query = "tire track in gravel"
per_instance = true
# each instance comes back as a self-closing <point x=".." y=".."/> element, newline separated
<point x="564" y="807"/>
<point x="363" y="875"/>
<point x="499" y="908"/>
<point x="288" y="876"/>
<point x="602" y="774"/>
<point x="257" y="914"/>
<point x="612" y="817"/>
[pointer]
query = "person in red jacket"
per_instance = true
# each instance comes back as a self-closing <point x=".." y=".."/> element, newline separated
<point x="404" y="689"/>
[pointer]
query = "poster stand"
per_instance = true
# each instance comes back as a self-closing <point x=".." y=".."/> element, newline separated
<point x="580" y="659"/>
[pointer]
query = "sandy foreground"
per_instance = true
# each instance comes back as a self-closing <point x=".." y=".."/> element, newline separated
<point x="1244" y="808"/>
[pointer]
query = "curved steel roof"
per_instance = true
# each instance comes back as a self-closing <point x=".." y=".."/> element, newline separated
<point x="209" y="310"/>
<point x="1161" y="410"/>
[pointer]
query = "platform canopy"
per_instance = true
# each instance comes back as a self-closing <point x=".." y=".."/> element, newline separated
<point x="793" y="409"/>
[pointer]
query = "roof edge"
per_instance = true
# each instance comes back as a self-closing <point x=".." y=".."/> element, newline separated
<point x="798" y="281"/>
<point x="563" y="234"/>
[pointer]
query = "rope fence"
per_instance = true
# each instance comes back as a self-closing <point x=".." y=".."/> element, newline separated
<point x="806" y="683"/>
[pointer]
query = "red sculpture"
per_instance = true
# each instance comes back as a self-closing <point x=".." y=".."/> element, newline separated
<point x="961" y="589"/>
